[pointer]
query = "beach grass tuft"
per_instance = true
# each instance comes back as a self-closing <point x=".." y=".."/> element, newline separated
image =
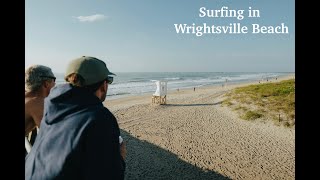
<point x="251" y="115"/>
<point x="275" y="100"/>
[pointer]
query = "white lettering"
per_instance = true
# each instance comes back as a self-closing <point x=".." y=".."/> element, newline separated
<point x="256" y="28"/>
<point x="202" y="12"/>
<point x="180" y="28"/>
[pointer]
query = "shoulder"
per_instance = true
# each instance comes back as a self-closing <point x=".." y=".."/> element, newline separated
<point x="93" y="114"/>
<point x="103" y="121"/>
<point x="103" y="114"/>
<point x="33" y="103"/>
<point x="103" y="117"/>
<point x="33" y="100"/>
<point x="107" y="112"/>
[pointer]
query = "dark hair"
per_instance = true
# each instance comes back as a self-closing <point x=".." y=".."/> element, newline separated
<point x="78" y="80"/>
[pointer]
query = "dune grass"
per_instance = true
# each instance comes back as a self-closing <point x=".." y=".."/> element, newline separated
<point x="276" y="100"/>
<point x="251" y="115"/>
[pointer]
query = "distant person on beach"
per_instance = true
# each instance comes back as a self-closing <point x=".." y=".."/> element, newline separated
<point x="39" y="80"/>
<point x="194" y="88"/>
<point x="79" y="138"/>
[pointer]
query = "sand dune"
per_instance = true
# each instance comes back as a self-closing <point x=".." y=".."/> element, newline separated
<point x="194" y="137"/>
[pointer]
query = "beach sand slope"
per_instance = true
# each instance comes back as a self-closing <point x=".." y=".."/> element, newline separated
<point x="194" y="137"/>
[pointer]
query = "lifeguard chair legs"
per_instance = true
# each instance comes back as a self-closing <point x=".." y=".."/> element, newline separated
<point x="159" y="99"/>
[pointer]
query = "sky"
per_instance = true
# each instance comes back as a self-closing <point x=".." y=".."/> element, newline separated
<point x="140" y="36"/>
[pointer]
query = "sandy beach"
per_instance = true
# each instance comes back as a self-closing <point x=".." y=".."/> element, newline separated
<point x="194" y="137"/>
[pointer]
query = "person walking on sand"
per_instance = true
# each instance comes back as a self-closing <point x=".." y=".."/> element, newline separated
<point x="39" y="80"/>
<point x="79" y="138"/>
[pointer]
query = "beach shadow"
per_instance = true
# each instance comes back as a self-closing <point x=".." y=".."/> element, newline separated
<point x="210" y="104"/>
<point x="148" y="161"/>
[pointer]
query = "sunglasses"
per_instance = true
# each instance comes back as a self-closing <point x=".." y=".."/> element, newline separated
<point x="109" y="79"/>
<point x="50" y="77"/>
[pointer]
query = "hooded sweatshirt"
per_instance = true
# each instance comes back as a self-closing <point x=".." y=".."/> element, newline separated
<point x="78" y="139"/>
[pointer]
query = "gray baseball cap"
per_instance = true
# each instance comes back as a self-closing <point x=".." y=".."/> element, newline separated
<point x="93" y="70"/>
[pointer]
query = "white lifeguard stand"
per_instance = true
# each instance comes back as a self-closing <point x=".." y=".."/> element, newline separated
<point x="160" y="96"/>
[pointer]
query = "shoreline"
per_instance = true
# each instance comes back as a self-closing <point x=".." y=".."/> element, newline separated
<point x="146" y="97"/>
<point x="113" y="97"/>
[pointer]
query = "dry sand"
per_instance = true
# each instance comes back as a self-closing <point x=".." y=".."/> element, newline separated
<point x="194" y="137"/>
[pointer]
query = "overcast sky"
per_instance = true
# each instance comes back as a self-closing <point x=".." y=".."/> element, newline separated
<point x="140" y="36"/>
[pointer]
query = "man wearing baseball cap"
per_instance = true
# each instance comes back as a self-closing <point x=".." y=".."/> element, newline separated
<point x="79" y="137"/>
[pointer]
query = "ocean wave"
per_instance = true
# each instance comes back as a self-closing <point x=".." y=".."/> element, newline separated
<point x="118" y="94"/>
<point x="174" y="78"/>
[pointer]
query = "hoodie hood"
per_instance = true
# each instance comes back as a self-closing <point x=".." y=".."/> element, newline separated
<point x="65" y="99"/>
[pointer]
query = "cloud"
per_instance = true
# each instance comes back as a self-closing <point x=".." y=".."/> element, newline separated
<point x="92" y="18"/>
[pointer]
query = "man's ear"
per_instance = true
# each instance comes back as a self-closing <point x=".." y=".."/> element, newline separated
<point x="46" y="84"/>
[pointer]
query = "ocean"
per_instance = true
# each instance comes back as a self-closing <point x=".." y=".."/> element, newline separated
<point x="138" y="83"/>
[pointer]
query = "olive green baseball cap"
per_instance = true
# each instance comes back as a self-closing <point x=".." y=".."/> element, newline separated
<point x="92" y="70"/>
